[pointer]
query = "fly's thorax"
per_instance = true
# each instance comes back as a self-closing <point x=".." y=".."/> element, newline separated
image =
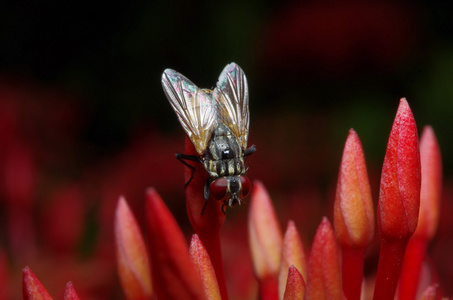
<point x="224" y="156"/>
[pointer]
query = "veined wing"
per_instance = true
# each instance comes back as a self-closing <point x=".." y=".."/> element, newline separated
<point x="194" y="108"/>
<point x="232" y="101"/>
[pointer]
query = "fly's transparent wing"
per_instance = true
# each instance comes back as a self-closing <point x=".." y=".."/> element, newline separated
<point x="194" y="108"/>
<point x="232" y="102"/>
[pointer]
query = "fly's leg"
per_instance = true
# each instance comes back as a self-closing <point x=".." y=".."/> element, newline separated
<point x="206" y="194"/>
<point x="250" y="150"/>
<point x="182" y="157"/>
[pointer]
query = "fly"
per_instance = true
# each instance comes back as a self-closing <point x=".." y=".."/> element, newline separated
<point x="217" y="123"/>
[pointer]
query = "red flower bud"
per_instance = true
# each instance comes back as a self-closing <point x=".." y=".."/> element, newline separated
<point x="132" y="259"/>
<point x="265" y="234"/>
<point x="324" y="268"/>
<point x="353" y="214"/>
<point x="32" y="288"/>
<point x="203" y="265"/>
<point x="70" y="293"/>
<point x="295" y="286"/>
<point x="353" y="211"/>
<point x="399" y="200"/>
<point x="428" y="217"/>
<point x="171" y="265"/>
<point x="292" y="255"/>
<point x="265" y="240"/>
<point x="399" y="196"/>
<point x="431" y="186"/>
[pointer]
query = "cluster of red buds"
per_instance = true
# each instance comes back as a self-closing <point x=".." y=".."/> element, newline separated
<point x="407" y="215"/>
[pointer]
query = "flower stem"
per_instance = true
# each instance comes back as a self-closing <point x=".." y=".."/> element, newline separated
<point x="410" y="274"/>
<point x="207" y="225"/>
<point x="390" y="261"/>
<point x="353" y="259"/>
<point x="269" y="288"/>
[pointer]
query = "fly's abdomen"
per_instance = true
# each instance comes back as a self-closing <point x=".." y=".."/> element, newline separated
<point x="222" y="168"/>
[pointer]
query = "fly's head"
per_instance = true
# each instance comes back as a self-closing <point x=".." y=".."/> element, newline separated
<point x="230" y="190"/>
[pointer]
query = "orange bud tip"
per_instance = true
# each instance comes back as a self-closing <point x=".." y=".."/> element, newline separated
<point x="353" y="208"/>
<point x="265" y="236"/>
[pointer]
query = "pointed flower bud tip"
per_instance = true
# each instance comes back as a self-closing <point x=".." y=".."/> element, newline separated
<point x="431" y="185"/>
<point x="399" y="196"/>
<point x="265" y="236"/>
<point x="32" y="288"/>
<point x="70" y="292"/>
<point x="295" y="286"/>
<point x="324" y="272"/>
<point x="292" y="255"/>
<point x="353" y="209"/>
<point x="132" y="259"/>
<point x="200" y="258"/>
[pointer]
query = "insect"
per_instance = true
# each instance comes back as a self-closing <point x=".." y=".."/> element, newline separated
<point x="217" y="123"/>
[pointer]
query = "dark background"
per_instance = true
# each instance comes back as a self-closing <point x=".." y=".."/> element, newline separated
<point x="347" y="62"/>
<point x="82" y="80"/>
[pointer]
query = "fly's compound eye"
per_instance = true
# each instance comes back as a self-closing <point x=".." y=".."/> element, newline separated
<point x="218" y="189"/>
<point x="246" y="186"/>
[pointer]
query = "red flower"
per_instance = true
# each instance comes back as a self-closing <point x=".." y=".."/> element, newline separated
<point x="166" y="266"/>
